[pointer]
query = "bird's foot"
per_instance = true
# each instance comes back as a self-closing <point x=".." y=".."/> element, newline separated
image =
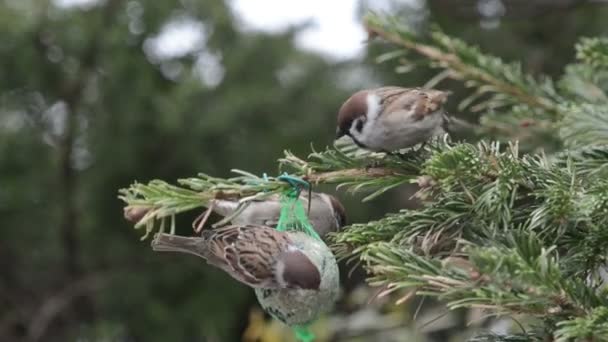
<point x="402" y="156"/>
<point x="373" y="164"/>
<point x="420" y="148"/>
<point x="199" y="222"/>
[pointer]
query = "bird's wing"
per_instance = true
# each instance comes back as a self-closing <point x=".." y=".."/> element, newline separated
<point x="271" y="223"/>
<point x="419" y="102"/>
<point x="388" y="95"/>
<point x="248" y="253"/>
<point x="228" y="207"/>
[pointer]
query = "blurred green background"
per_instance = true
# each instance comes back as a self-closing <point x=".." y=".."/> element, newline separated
<point x="92" y="99"/>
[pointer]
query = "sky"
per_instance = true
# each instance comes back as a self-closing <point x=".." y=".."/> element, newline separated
<point x="335" y="32"/>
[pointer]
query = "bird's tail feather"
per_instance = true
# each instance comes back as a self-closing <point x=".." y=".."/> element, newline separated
<point x="451" y="123"/>
<point x="164" y="242"/>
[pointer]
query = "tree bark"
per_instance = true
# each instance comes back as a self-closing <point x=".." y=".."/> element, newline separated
<point x="71" y="93"/>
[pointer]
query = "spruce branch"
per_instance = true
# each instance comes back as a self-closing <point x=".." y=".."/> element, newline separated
<point x="529" y="337"/>
<point x="342" y="165"/>
<point x="499" y="230"/>
<point x="523" y="278"/>
<point x="516" y="105"/>
<point x="593" y="51"/>
<point x="521" y="122"/>
<point x="593" y="327"/>
<point x="584" y="82"/>
<point x="479" y="190"/>
<point x="507" y="83"/>
<point x="357" y="170"/>
<point x="589" y="160"/>
<point x="476" y="195"/>
<point x="586" y="124"/>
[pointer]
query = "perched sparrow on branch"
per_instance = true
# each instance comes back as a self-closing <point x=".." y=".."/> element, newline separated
<point x="257" y="256"/>
<point x="391" y="118"/>
<point x="326" y="212"/>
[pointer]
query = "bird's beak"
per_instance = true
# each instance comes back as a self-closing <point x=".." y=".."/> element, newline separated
<point x="339" y="133"/>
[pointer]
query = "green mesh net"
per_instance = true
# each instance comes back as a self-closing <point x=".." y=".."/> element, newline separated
<point x="293" y="217"/>
<point x="304" y="334"/>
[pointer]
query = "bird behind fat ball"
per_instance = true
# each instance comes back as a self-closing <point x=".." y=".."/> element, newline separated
<point x="326" y="213"/>
<point x="391" y="118"/>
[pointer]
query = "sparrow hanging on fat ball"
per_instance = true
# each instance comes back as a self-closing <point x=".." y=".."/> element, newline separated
<point x="391" y="118"/>
<point x="295" y="276"/>
<point x="257" y="256"/>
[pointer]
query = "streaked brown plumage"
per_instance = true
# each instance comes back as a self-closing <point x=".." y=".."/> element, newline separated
<point x="392" y="118"/>
<point x="258" y="256"/>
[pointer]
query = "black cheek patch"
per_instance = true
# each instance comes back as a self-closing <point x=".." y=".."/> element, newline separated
<point x="357" y="142"/>
<point x="359" y="126"/>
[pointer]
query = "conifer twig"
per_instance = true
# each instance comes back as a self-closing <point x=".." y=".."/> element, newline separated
<point x="390" y="30"/>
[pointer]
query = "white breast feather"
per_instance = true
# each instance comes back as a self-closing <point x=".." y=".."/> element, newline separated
<point x="399" y="130"/>
<point x="279" y="270"/>
<point x="373" y="107"/>
<point x="373" y="110"/>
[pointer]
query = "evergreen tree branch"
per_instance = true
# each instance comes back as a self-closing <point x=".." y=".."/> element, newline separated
<point x="589" y="160"/>
<point x="342" y="165"/>
<point x="517" y="106"/>
<point x="510" y="233"/>
<point x="593" y="327"/>
<point x="584" y="82"/>
<point x="538" y="218"/>
<point x="506" y="338"/>
<point x="509" y="84"/>
<point x="477" y="190"/>
<point x="519" y="278"/>
<point x="593" y="51"/>
<point x="586" y="124"/>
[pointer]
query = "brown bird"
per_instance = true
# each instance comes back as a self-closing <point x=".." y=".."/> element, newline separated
<point x="326" y="213"/>
<point x="258" y="256"/>
<point x="392" y="118"/>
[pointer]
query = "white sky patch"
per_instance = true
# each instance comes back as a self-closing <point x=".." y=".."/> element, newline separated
<point x="209" y="68"/>
<point x="177" y="38"/>
<point x="76" y="3"/>
<point x="336" y="33"/>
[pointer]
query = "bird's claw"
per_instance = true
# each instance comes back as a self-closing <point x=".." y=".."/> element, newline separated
<point x="373" y="165"/>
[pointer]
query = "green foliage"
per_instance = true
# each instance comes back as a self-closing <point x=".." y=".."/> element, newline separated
<point x="86" y="108"/>
<point x="515" y="104"/>
<point x="511" y="233"/>
<point x="586" y="124"/>
<point x="593" y="51"/>
<point x="527" y="231"/>
<point x="591" y="327"/>
<point x="506" y="338"/>
<point x="585" y="82"/>
<point x="134" y="116"/>
<point x="497" y="86"/>
<point x="538" y="220"/>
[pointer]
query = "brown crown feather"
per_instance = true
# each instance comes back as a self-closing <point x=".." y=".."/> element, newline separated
<point x="354" y="107"/>
<point x="338" y="210"/>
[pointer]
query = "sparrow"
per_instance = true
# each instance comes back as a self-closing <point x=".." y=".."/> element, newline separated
<point x="257" y="256"/>
<point x="392" y="118"/>
<point x="326" y="213"/>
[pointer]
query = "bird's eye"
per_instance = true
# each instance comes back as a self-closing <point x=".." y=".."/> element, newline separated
<point x="359" y="125"/>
